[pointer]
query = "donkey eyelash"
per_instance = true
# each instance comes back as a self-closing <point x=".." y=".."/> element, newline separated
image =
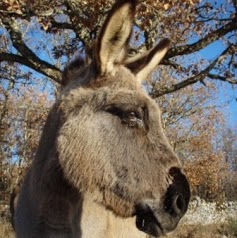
<point x="130" y="114"/>
<point x="132" y="118"/>
<point x="116" y="111"/>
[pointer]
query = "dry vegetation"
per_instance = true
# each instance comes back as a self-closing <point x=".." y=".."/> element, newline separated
<point x="206" y="231"/>
<point x="6" y="230"/>
<point x="183" y="231"/>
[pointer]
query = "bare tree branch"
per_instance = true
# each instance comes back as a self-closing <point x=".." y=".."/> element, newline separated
<point x="61" y="25"/>
<point x="29" y="58"/>
<point x="196" y="78"/>
<point x="67" y="26"/>
<point x="235" y="5"/>
<point x="54" y="74"/>
<point x="222" y="78"/>
<point x="211" y="37"/>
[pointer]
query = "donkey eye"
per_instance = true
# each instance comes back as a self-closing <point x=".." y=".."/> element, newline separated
<point x="131" y="115"/>
<point x="133" y="119"/>
<point x="130" y="118"/>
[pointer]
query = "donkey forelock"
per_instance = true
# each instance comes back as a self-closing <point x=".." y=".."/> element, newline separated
<point x="103" y="154"/>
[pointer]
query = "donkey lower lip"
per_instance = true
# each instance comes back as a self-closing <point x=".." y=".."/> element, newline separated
<point x="148" y="223"/>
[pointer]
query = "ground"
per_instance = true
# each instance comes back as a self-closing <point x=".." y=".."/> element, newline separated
<point x="6" y="230"/>
<point x="228" y="230"/>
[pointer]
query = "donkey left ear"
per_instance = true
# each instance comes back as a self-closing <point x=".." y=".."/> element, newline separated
<point x="114" y="36"/>
<point x="144" y="64"/>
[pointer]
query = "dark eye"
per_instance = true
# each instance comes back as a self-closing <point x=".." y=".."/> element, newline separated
<point x="131" y="118"/>
<point x="131" y="115"/>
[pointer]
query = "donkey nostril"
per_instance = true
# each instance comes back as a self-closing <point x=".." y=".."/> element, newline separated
<point x="178" y="204"/>
<point x="178" y="194"/>
<point x="175" y="204"/>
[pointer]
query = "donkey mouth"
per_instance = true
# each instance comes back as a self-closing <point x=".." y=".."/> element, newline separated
<point x="148" y="223"/>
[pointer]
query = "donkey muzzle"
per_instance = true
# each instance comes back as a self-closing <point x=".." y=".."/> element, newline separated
<point x="160" y="218"/>
<point x="147" y="221"/>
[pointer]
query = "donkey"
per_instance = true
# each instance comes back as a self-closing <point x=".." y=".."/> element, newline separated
<point x="104" y="167"/>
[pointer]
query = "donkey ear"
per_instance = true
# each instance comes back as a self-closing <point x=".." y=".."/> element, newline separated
<point x="114" y="36"/>
<point x="144" y="64"/>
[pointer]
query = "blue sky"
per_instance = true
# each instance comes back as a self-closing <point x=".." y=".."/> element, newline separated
<point x="227" y="93"/>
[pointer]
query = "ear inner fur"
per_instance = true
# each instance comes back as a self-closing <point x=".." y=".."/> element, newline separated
<point x="114" y="36"/>
<point x="143" y="65"/>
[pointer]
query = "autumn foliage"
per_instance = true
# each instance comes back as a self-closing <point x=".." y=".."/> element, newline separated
<point x="23" y="113"/>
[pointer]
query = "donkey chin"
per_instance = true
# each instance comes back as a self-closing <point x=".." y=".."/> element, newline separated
<point x="157" y="222"/>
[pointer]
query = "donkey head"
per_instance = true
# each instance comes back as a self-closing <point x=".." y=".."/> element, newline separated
<point x="111" y="143"/>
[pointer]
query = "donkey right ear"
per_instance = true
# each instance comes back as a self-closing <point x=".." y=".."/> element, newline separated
<point x="114" y="36"/>
<point x="143" y="65"/>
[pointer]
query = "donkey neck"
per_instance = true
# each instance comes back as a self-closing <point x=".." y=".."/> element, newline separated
<point x="98" y="222"/>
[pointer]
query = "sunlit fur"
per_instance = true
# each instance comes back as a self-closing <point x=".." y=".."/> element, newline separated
<point x="103" y="150"/>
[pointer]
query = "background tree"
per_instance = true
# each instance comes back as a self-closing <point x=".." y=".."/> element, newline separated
<point x="43" y="34"/>
<point x="38" y="37"/>
<point x="193" y="126"/>
<point x="22" y="116"/>
<point x="228" y="141"/>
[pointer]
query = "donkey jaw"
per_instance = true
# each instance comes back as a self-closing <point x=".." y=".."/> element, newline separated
<point x="148" y="223"/>
<point x="152" y="223"/>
